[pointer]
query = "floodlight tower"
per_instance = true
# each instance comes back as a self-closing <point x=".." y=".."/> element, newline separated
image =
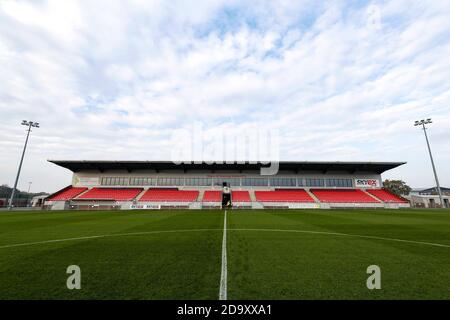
<point x="29" y="124"/>
<point x="423" y="123"/>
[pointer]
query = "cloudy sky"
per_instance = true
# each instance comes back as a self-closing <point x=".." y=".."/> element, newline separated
<point x="339" y="80"/>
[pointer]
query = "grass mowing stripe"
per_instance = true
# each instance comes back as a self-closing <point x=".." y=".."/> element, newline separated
<point x="347" y="235"/>
<point x="223" y="276"/>
<point x="301" y="255"/>
<point x="224" y="256"/>
<point x="104" y="236"/>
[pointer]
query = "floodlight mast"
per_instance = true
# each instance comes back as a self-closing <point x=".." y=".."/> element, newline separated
<point x="29" y="124"/>
<point x="423" y="123"/>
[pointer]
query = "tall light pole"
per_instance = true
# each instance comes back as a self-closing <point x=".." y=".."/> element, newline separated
<point x="28" y="193"/>
<point x="29" y="124"/>
<point x="423" y="123"/>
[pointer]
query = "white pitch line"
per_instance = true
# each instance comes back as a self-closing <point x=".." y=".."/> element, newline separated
<point x="347" y="235"/>
<point x="223" y="276"/>
<point x="104" y="236"/>
<point x="199" y="230"/>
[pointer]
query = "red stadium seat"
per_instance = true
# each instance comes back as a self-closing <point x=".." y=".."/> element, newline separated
<point x="117" y="194"/>
<point x="386" y="196"/>
<point x="67" y="193"/>
<point x="294" y="195"/>
<point x="212" y="196"/>
<point x="169" y="195"/>
<point x="240" y="196"/>
<point x="343" y="196"/>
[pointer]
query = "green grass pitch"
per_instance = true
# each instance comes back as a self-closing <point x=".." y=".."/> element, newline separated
<point x="272" y="254"/>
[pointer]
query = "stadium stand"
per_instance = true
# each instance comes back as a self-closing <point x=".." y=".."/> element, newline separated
<point x="343" y="196"/>
<point x="386" y="196"/>
<point x="240" y="196"/>
<point x="117" y="194"/>
<point x="212" y="196"/>
<point x="294" y="195"/>
<point x="169" y="195"/>
<point x="130" y="185"/>
<point x="67" y="193"/>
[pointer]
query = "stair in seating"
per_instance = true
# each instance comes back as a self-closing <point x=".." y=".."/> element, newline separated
<point x="201" y="194"/>
<point x="140" y="195"/>
<point x="371" y="195"/>
<point x="312" y="195"/>
<point x="252" y="195"/>
<point x="81" y="194"/>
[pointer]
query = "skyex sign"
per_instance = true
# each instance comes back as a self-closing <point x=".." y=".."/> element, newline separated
<point x="367" y="183"/>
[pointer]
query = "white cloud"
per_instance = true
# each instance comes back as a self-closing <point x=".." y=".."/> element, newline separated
<point x="113" y="80"/>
